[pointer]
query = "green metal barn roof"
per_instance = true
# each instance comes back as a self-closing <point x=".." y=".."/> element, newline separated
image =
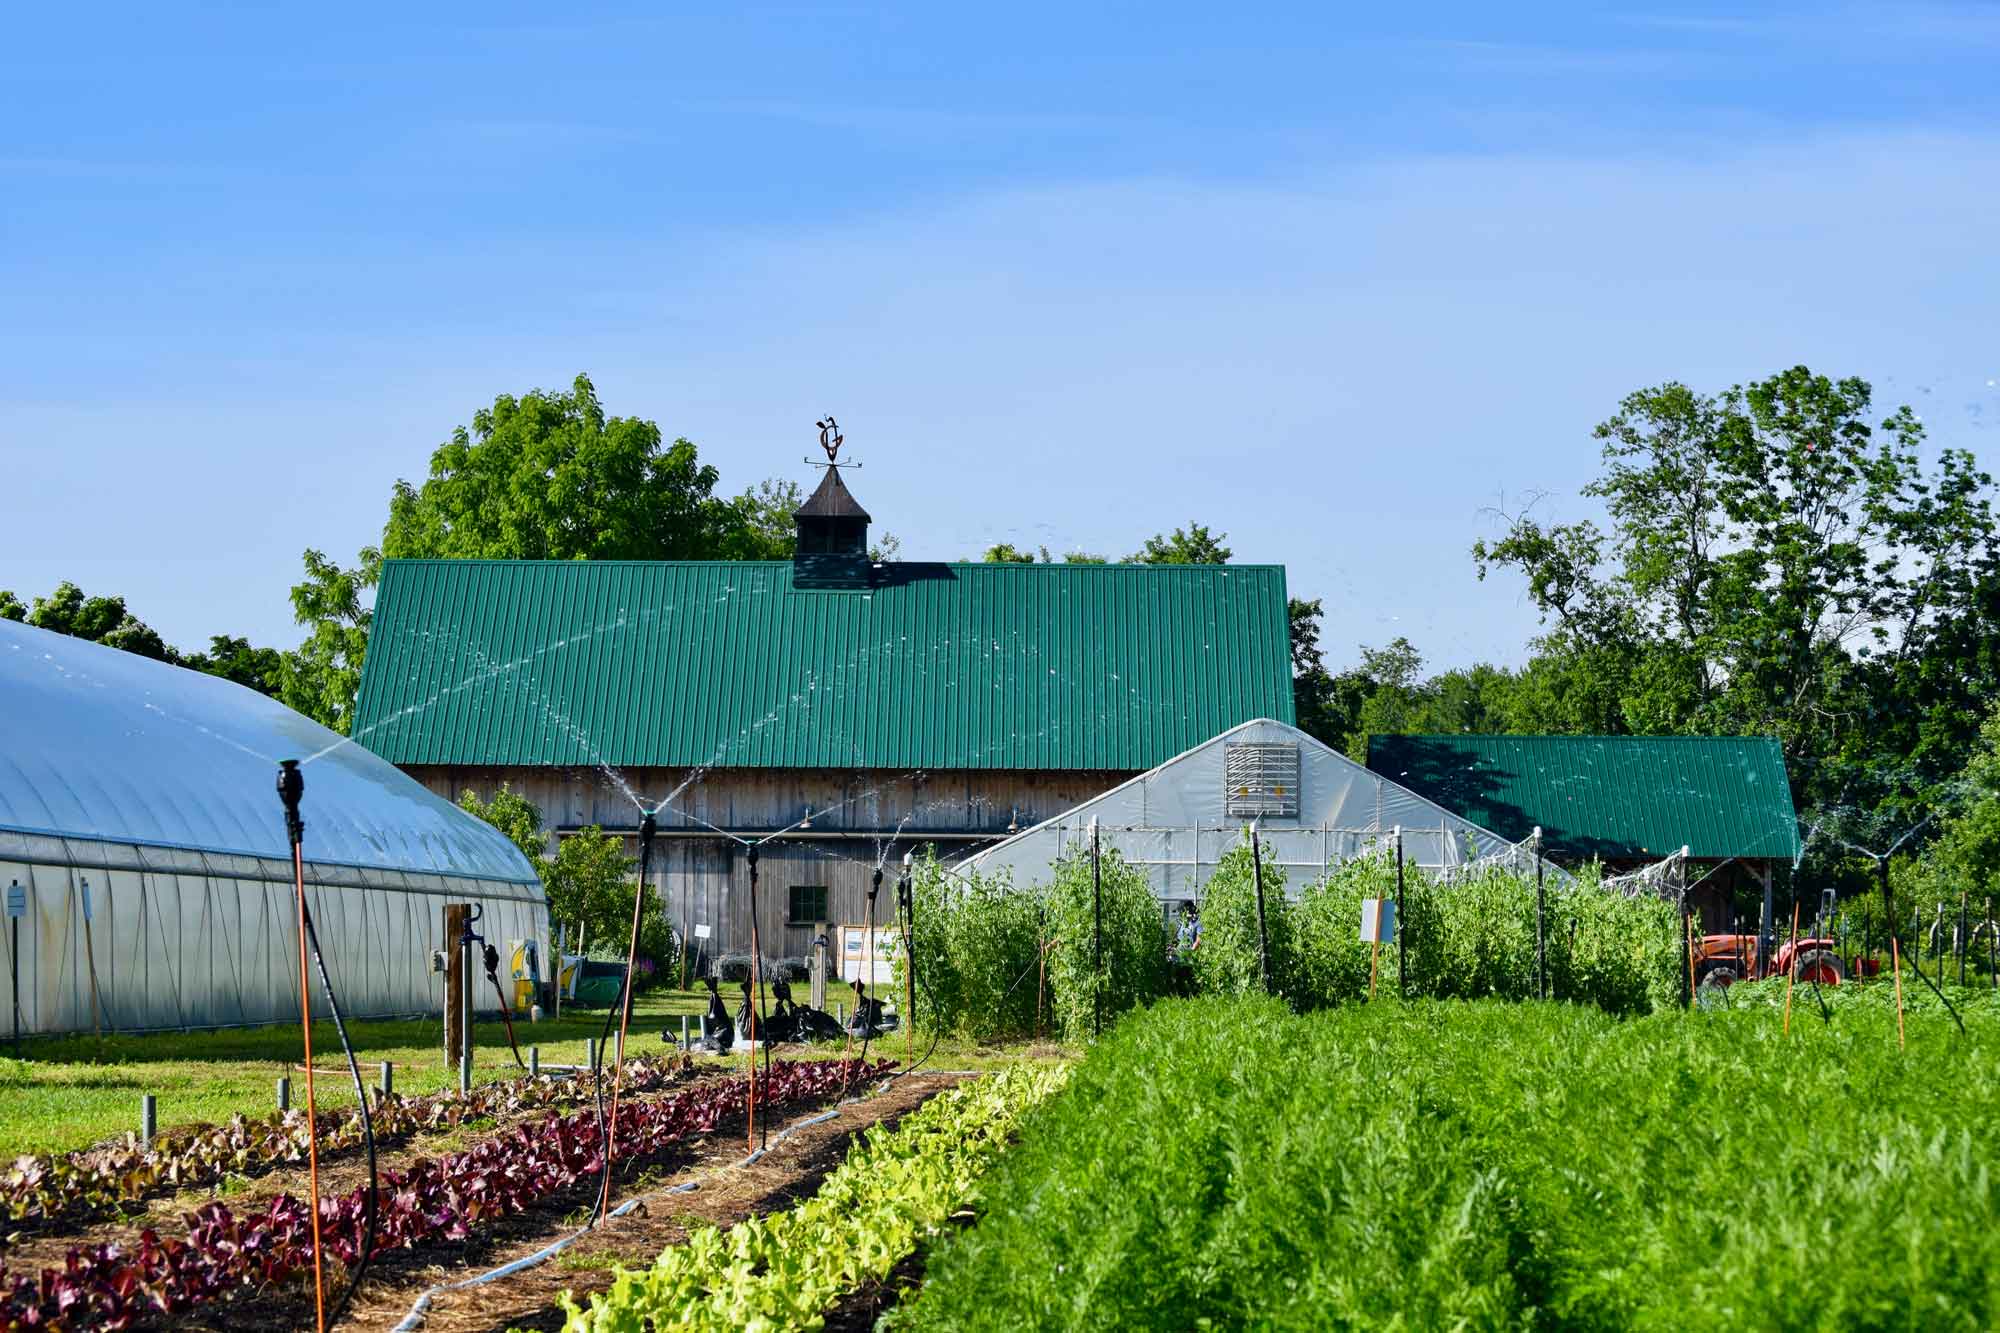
<point x="1607" y="796"/>
<point x="967" y="666"/>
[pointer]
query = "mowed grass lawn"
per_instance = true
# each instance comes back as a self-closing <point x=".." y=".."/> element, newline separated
<point x="70" y="1092"/>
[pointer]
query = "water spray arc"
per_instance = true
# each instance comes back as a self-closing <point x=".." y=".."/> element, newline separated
<point x="291" y="787"/>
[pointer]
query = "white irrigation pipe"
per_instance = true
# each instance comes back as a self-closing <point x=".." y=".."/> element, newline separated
<point x="415" y="1318"/>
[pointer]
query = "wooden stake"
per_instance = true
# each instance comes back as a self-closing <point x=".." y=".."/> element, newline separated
<point x="1896" y="953"/>
<point x="1690" y="940"/>
<point x="1792" y="972"/>
<point x="1374" y="961"/>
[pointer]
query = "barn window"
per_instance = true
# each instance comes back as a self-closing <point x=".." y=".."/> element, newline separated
<point x="1261" y="778"/>
<point x="807" y="906"/>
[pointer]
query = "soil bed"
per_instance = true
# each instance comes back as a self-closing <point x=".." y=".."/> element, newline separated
<point x="790" y="1171"/>
<point x="339" y="1173"/>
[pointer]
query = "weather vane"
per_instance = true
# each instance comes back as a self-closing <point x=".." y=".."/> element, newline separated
<point x="830" y="439"/>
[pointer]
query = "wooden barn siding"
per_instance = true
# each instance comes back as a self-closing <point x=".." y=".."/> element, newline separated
<point x="705" y="878"/>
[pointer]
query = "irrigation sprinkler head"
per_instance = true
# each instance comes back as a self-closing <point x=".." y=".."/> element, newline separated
<point x="752" y="856"/>
<point x="291" y="786"/>
<point x="648" y="826"/>
<point x="875" y="886"/>
<point x="908" y="857"/>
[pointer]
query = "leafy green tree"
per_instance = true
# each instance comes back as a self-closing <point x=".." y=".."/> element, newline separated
<point x="102" y="620"/>
<point x="768" y="512"/>
<point x="1193" y="545"/>
<point x="106" y="620"/>
<point x="321" y="677"/>
<point x="549" y="476"/>
<point x="261" y="669"/>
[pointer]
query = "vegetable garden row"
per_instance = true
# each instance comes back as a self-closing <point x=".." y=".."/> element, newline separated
<point x="1230" y="1164"/>
<point x="999" y="961"/>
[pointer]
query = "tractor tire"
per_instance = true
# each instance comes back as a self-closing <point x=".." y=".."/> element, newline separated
<point x="1818" y="962"/>
<point x="1712" y="989"/>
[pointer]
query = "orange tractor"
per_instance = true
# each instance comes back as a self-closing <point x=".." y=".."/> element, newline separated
<point x="1723" y="960"/>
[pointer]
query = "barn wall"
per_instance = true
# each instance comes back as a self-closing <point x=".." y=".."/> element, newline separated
<point x="857" y="815"/>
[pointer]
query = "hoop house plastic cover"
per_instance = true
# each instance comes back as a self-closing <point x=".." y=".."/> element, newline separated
<point x="1317" y="808"/>
<point x="140" y="819"/>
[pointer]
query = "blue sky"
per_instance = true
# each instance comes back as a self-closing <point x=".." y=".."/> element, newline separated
<point x="1339" y="281"/>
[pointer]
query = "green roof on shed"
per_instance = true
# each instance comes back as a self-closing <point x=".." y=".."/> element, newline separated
<point x="1608" y="796"/>
<point x="940" y="666"/>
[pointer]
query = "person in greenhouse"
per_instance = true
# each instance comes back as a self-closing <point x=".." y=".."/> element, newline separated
<point x="1188" y="938"/>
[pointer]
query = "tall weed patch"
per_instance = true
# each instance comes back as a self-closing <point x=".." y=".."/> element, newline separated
<point x="1225" y="1163"/>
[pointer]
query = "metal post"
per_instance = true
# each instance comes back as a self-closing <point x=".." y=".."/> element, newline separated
<point x="1263" y="938"/>
<point x="1402" y="952"/>
<point x="1961" y="937"/>
<point x="535" y="1060"/>
<point x="562" y="943"/>
<point x="149" y="1119"/>
<point x="1888" y="901"/>
<point x="684" y="1031"/>
<point x="284" y="1095"/>
<point x="1541" y="924"/>
<point x="16" y="959"/>
<point x="1096" y="933"/>
<point x="388" y="1078"/>
<point x="465" y="1025"/>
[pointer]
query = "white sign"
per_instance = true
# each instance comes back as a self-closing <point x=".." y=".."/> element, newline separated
<point x="17" y="900"/>
<point x="701" y="932"/>
<point x="1378" y="920"/>
<point x="876" y="966"/>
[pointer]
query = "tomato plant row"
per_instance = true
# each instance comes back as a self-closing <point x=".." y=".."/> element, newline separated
<point x="783" y="1270"/>
<point x="77" y="1186"/>
<point x="109" y="1286"/>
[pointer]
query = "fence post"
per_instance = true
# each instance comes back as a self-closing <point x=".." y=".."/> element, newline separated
<point x="1961" y="936"/>
<point x="149" y="1119"/>
<point x="1263" y="939"/>
<point x="284" y="1094"/>
<point x="535" y="1060"/>
<point x="388" y="1079"/>
<point x="1402" y="952"/>
<point x="1541" y="923"/>
<point x="1096" y="933"/>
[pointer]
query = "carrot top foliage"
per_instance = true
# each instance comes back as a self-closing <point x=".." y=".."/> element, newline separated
<point x="1229" y="1164"/>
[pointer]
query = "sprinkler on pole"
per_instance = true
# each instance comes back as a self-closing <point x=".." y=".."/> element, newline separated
<point x="756" y="1004"/>
<point x="291" y="787"/>
<point x="906" y="904"/>
<point x="608" y="1129"/>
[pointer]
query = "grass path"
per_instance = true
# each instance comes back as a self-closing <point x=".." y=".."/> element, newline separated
<point x="71" y="1092"/>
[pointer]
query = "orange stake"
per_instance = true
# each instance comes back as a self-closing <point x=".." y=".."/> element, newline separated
<point x="312" y="1127"/>
<point x="1374" y="960"/>
<point x="1792" y="971"/>
<point x="1896" y="953"/>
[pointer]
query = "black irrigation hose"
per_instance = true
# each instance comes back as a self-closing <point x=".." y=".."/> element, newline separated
<point x="1950" y="1008"/>
<point x="369" y="1203"/>
<point x="506" y="1015"/>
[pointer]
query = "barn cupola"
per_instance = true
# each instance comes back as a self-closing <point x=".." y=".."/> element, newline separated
<point x="832" y="528"/>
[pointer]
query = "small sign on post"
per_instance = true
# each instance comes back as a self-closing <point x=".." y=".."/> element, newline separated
<point x="17" y="901"/>
<point x="1378" y="927"/>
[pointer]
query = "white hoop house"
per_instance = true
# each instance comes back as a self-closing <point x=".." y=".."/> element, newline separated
<point x="143" y="843"/>
<point x="1313" y="806"/>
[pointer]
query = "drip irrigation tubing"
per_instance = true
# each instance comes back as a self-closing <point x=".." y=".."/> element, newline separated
<point x="415" y="1318"/>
